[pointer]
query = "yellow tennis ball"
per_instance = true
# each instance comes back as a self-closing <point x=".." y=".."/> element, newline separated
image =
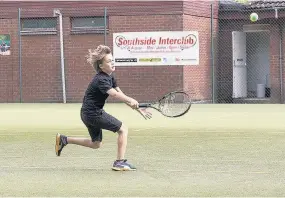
<point x="253" y="17"/>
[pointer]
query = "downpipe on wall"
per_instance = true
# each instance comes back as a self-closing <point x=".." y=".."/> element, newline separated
<point x="57" y="12"/>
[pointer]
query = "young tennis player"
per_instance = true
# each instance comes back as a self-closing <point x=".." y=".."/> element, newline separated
<point x="92" y="113"/>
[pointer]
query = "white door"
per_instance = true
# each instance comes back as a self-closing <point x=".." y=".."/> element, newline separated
<point x="239" y="64"/>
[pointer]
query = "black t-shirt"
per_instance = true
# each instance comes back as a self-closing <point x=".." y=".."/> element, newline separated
<point x="96" y="93"/>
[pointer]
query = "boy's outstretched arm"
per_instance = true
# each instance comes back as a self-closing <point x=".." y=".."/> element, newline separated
<point x="124" y="98"/>
<point x="146" y="114"/>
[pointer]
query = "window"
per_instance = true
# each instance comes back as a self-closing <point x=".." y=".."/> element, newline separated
<point x="88" y="25"/>
<point x="38" y="26"/>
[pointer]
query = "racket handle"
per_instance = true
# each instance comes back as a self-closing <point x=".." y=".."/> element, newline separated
<point x="142" y="105"/>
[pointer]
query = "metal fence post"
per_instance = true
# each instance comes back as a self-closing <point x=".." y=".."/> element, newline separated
<point x="20" y="54"/>
<point x="280" y="62"/>
<point x="212" y="56"/>
<point x="105" y="26"/>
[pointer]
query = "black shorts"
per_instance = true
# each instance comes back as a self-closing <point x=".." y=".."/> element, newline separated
<point x="95" y="124"/>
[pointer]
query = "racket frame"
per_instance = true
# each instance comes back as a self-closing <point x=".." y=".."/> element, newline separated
<point x="151" y="105"/>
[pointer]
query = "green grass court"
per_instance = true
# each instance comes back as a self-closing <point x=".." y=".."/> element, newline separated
<point x="214" y="150"/>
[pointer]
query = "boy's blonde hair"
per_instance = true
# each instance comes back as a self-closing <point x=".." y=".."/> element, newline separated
<point x="96" y="56"/>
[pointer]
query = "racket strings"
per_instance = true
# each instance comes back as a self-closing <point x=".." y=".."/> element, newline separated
<point x="175" y="104"/>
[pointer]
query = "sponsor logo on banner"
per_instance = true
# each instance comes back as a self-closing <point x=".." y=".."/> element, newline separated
<point x="125" y="60"/>
<point x="150" y="60"/>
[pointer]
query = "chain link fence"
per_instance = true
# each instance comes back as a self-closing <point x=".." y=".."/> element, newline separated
<point x="239" y="61"/>
<point x="250" y="54"/>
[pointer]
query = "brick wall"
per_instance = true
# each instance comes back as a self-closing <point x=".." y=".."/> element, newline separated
<point x="9" y="72"/>
<point x="78" y="72"/>
<point x="41" y="53"/>
<point x="198" y="79"/>
<point x="274" y="63"/>
<point x="41" y="72"/>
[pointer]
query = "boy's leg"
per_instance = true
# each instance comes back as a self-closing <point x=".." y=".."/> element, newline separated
<point x="121" y="163"/>
<point x="122" y="142"/>
<point x="87" y="142"/>
<point x="111" y="123"/>
<point x="108" y="122"/>
<point x="95" y="141"/>
<point x="62" y="141"/>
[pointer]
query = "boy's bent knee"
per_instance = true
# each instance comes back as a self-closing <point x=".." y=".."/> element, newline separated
<point x="96" y="145"/>
<point x="123" y="129"/>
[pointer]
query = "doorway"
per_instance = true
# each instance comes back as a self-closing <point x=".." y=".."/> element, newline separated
<point x="251" y="68"/>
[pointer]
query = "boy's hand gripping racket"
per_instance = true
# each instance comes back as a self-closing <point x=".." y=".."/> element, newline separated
<point x="173" y="104"/>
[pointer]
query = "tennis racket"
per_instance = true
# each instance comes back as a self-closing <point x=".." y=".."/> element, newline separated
<point x="173" y="104"/>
